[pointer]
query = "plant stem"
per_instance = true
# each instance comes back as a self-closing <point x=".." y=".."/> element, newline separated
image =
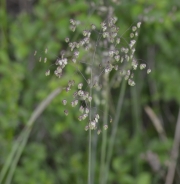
<point x="93" y="154"/>
<point x="135" y="110"/>
<point x="174" y="154"/>
<point x="90" y="136"/>
<point x="104" y="133"/>
<point x="9" y="159"/>
<point x="20" y="143"/>
<point x="89" y="158"/>
<point x="17" y="156"/>
<point x="90" y="117"/>
<point x="114" y="130"/>
<point x="137" y="121"/>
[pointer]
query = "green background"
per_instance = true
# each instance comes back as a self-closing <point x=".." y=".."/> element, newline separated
<point x="56" y="151"/>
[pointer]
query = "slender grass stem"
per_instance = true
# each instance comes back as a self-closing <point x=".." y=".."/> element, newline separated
<point x="137" y="121"/>
<point x="135" y="110"/>
<point x="13" y="158"/>
<point x="9" y="160"/>
<point x="114" y="130"/>
<point x="17" y="156"/>
<point x="90" y="117"/>
<point x="170" y="177"/>
<point x="94" y="152"/>
<point x="104" y="135"/>
<point x="90" y="137"/>
<point x="89" y="157"/>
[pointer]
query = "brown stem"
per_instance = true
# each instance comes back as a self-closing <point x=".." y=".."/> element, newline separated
<point x="174" y="153"/>
<point x="156" y="122"/>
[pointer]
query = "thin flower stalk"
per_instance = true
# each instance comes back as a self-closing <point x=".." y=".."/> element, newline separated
<point x="114" y="130"/>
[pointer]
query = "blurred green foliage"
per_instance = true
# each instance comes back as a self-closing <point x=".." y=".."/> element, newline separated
<point x="57" y="148"/>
